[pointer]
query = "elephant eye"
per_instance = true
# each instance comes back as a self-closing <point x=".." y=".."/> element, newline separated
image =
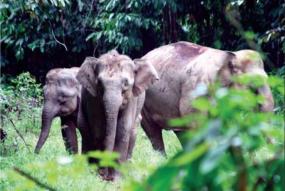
<point x="125" y="83"/>
<point x="61" y="101"/>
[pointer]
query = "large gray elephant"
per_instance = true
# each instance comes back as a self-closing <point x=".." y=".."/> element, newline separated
<point x="113" y="89"/>
<point x="181" y="67"/>
<point x="62" y="94"/>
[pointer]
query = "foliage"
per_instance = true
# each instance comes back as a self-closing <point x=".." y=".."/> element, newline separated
<point x="21" y="97"/>
<point x="42" y="26"/>
<point x="277" y="85"/>
<point x="120" y="25"/>
<point x="134" y="27"/>
<point x="233" y="147"/>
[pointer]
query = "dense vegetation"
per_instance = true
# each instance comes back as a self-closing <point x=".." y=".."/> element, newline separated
<point x="234" y="148"/>
<point x="39" y="35"/>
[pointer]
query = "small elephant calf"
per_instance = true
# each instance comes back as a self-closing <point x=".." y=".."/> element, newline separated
<point x="61" y="99"/>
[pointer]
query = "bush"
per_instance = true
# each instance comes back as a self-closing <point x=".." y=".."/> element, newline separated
<point x="277" y="85"/>
<point x="21" y="98"/>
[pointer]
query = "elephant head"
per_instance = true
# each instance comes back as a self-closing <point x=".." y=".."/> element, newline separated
<point x="61" y="97"/>
<point x="248" y="62"/>
<point x="115" y="80"/>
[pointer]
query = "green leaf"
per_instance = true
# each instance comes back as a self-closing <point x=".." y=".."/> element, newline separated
<point x="213" y="157"/>
<point x="202" y="104"/>
<point x="107" y="158"/>
<point x="162" y="179"/>
<point x="187" y="157"/>
<point x="90" y="36"/>
<point x="250" y="35"/>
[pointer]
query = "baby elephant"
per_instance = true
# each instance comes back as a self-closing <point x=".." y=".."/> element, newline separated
<point x="61" y="99"/>
<point x="113" y="89"/>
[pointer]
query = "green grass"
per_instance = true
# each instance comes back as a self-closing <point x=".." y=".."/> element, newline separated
<point x="14" y="153"/>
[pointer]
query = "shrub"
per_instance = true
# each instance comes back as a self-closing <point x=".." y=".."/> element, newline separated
<point x="277" y="85"/>
<point x="21" y="98"/>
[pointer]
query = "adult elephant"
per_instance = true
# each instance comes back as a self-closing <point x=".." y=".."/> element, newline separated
<point x="61" y="99"/>
<point x="181" y="67"/>
<point x="113" y="88"/>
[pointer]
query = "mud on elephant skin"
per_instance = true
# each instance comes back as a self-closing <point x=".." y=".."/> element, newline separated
<point x="62" y="94"/>
<point x="113" y="89"/>
<point x="181" y="67"/>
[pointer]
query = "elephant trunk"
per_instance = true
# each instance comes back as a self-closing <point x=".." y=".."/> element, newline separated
<point x="48" y="114"/>
<point x="112" y="102"/>
<point x="268" y="104"/>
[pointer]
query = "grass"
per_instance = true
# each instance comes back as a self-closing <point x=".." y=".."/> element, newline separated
<point x="78" y="176"/>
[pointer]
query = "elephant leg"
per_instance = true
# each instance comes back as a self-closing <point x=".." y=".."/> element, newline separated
<point x="122" y="147"/>
<point x="85" y="143"/>
<point x="132" y="141"/>
<point x="153" y="132"/>
<point x="68" y="130"/>
<point x="84" y="131"/>
<point x="122" y="143"/>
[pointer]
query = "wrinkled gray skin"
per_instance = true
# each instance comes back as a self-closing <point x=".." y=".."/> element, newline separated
<point x="181" y="67"/>
<point x="113" y="89"/>
<point x="62" y="94"/>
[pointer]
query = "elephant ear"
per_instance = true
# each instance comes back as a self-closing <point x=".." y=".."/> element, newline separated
<point x="86" y="74"/>
<point x="145" y="75"/>
<point x="228" y="67"/>
<point x="233" y="64"/>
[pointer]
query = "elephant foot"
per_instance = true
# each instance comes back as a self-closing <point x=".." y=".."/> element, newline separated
<point x="72" y="151"/>
<point x="102" y="171"/>
<point x="109" y="174"/>
<point x="108" y="178"/>
<point x="37" y="151"/>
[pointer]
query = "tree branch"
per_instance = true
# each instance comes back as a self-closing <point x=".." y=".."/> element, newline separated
<point x="58" y="40"/>
<point x="35" y="180"/>
<point x="18" y="132"/>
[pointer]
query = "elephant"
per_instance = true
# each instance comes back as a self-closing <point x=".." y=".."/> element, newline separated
<point x="62" y="93"/>
<point x="181" y="66"/>
<point x="113" y="87"/>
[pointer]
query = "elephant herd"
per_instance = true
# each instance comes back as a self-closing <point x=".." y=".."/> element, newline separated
<point x="107" y="96"/>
